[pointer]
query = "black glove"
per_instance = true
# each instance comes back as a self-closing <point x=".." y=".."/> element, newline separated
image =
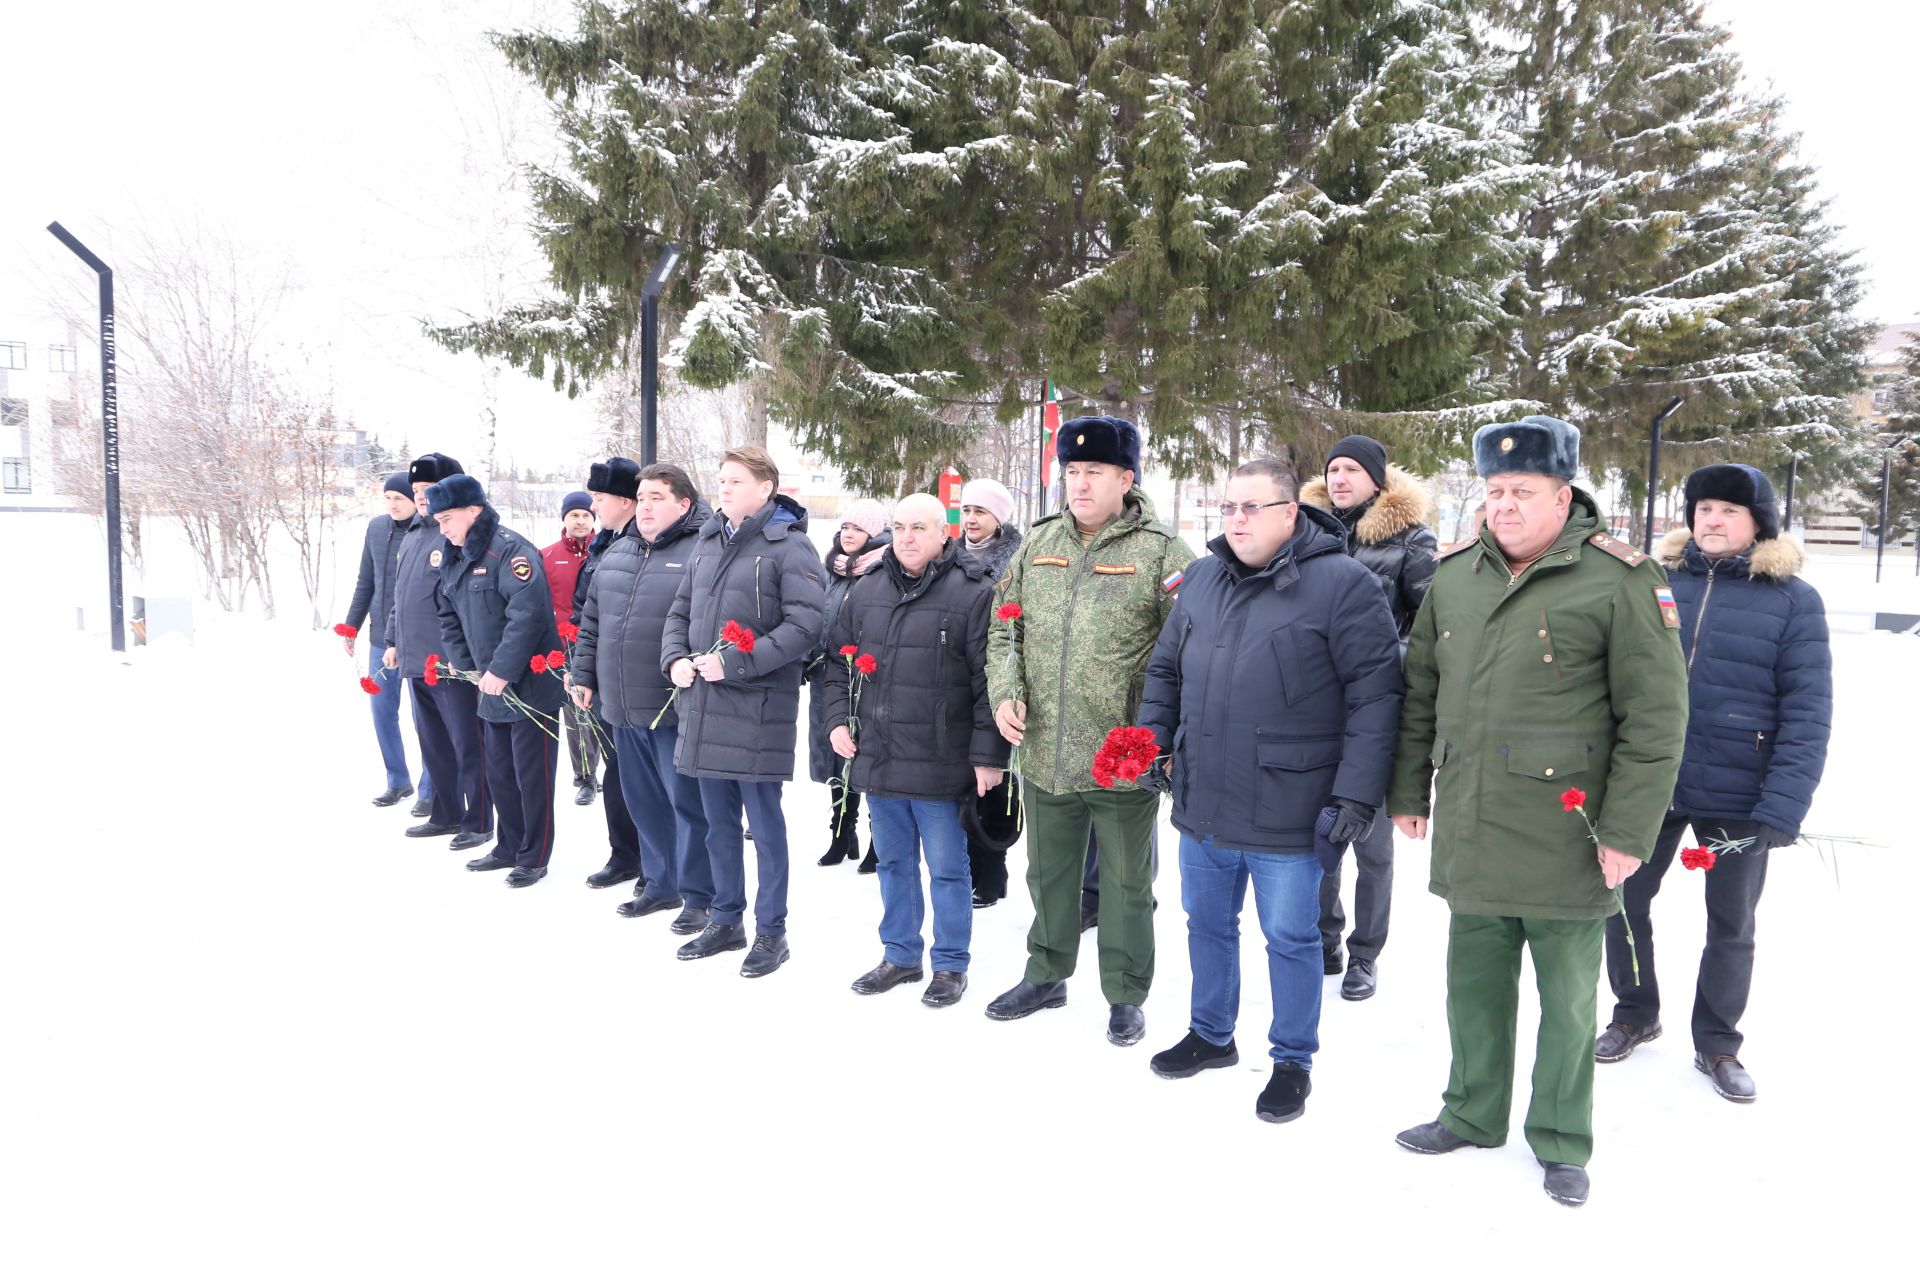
<point x="1158" y="777"/>
<point x="1771" y="838"/>
<point x="1352" y="823"/>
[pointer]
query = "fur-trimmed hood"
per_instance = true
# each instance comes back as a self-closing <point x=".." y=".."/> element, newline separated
<point x="1777" y="559"/>
<point x="1401" y="504"/>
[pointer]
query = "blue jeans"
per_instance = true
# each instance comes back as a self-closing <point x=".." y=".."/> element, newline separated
<point x="722" y="799"/>
<point x="668" y="817"/>
<point x="386" y="723"/>
<point x="1286" y="897"/>
<point x="902" y="831"/>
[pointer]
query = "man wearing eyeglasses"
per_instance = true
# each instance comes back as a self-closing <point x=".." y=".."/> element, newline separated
<point x="1094" y="584"/>
<point x="1383" y="513"/>
<point x="1276" y="683"/>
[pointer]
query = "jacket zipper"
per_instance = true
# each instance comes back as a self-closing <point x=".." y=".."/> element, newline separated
<point x="1066" y="653"/>
<point x="1693" y="650"/>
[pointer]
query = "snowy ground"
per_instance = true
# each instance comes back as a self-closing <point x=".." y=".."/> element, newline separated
<point x="250" y="1030"/>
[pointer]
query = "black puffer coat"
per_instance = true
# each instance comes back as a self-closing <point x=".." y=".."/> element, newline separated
<point x="822" y="764"/>
<point x="1759" y="682"/>
<point x="924" y="718"/>
<point x="413" y="626"/>
<point x="1389" y="535"/>
<point x="496" y="614"/>
<point x="372" y="601"/>
<point x="624" y="617"/>
<point x="1277" y="691"/>
<point x="768" y="579"/>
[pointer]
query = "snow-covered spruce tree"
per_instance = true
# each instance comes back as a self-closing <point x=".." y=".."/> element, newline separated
<point x="1679" y="250"/>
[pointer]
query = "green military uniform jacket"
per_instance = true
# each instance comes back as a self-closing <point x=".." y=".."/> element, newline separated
<point x="1569" y="676"/>
<point x="1077" y="655"/>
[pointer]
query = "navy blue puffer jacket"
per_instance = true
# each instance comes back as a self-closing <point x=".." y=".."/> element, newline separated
<point x="1759" y="682"/>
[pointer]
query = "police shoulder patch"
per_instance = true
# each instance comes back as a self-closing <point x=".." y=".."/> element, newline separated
<point x="1669" y="611"/>
<point x="522" y="567"/>
<point x="1617" y="549"/>
<point x="434" y="559"/>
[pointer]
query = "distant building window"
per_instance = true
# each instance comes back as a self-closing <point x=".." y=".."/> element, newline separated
<point x="61" y="414"/>
<point x="63" y="359"/>
<point x="13" y="413"/>
<point x="819" y="479"/>
<point x="13" y="355"/>
<point x="17" y="475"/>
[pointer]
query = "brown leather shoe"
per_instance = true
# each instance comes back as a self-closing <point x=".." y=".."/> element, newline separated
<point x="1730" y="1079"/>
<point x="1619" y="1041"/>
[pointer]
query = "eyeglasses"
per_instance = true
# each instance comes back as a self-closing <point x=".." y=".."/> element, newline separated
<point x="1249" y="509"/>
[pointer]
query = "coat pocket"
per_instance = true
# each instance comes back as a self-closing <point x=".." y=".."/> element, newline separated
<point x="1296" y="775"/>
<point x="1548" y="763"/>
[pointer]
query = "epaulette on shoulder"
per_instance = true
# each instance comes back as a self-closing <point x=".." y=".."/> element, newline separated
<point x="1618" y="550"/>
<point x="1457" y="548"/>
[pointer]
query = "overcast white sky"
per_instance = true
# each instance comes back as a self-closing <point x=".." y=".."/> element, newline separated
<point x="360" y="143"/>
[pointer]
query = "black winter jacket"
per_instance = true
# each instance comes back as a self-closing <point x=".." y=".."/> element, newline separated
<point x="413" y="624"/>
<point x="768" y="579"/>
<point x="997" y="553"/>
<point x="624" y="617"/>
<point x="822" y="763"/>
<point x="924" y="718"/>
<point x="1278" y="690"/>
<point x="1389" y="535"/>
<point x="372" y="601"/>
<point x="496" y="614"/>
<point x="1759" y="682"/>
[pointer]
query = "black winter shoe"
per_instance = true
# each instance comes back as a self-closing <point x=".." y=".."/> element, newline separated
<point x="646" y="906"/>
<point x="945" y="989"/>
<point x="690" y="920"/>
<point x="422" y="808"/>
<point x="610" y="875"/>
<point x="491" y="862"/>
<point x="1285" y="1097"/>
<point x="1332" y="962"/>
<point x="714" y="939"/>
<point x="1025" y="998"/>
<point x="1192" y="1056"/>
<point x="1434" y="1139"/>
<point x="885" y="976"/>
<point x="981" y="902"/>
<point x="521" y="877"/>
<point x="426" y="830"/>
<point x="583" y="793"/>
<point x="1125" y="1024"/>
<point x="769" y="953"/>
<point x="1360" y="982"/>
<point x="871" y="863"/>
<point x="1566" y="1183"/>
<point x="469" y="839"/>
<point x="1619" y="1041"/>
<point x="1730" y="1079"/>
<point x="392" y="796"/>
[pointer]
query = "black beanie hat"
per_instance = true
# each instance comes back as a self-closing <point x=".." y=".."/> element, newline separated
<point x="1114" y="441"/>
<point x="617" y="476"/>
<point x="1741" y="485"/>
<point x="397" y="483"/>
<point x="1365" y="450"/>
<point x="575" y="501"/>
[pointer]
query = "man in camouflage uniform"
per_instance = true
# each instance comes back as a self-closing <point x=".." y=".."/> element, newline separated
<point x="1545" y="658"/>
<point x="1094" y="584"/>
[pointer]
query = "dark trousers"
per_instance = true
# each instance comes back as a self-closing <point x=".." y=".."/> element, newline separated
<point x="673" y="822"/>
<point x="844" y="825"/>
<point x="722" y="800"/>
<point x="521" y="759"/>
<point x="1372" y="896"/>
<point x="386" y="723"/>
<point x="1726" y="964"/>
<point x="623" y="839"/>
<point x="447" y="719"/>
<point x="583" y="746"/>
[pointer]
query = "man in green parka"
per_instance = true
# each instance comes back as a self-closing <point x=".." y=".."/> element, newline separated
<point x="1544" y="662"/>
<point x="1094" y="584"/>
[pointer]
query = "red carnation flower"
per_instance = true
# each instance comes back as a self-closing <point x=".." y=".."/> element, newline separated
<point x="1008" y="611"/>
<point x="866" y="664"/>
<point x="848" y="650"/>
<point x="432" y="674"/>
<point x="537" y="663"/>
<point x="556" y="660"/>
<point x="1127" y="752"/>
<point x="1701" y="859"/>
<point x="1572" y="798"/>
<point x="342" y="629"/>
<point x="370" y="685"/>
<point x="569" y="632"/>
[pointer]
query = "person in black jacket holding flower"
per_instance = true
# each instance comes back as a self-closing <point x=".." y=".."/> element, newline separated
<point x="926" y="736"/>
<point x="372" y="604"/>
<point x="1760" y="703"/>
<point x="496" y="618"/>
<point x="1275" y="689"/>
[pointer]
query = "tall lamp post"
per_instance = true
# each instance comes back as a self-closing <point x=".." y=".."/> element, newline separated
<point x="109" y="431"/>
<point x="663" y="267"/>
<point x="1653" y="469"/>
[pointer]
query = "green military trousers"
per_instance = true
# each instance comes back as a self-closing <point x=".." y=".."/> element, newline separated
<point x="1483" y="996"/>
<point x="1057" y="827"/>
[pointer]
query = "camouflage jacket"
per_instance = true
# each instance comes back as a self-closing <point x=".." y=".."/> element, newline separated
<point x="1077" y="655"/>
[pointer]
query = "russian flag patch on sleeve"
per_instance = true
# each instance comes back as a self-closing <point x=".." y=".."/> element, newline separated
<point x="1172" y="581"/>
